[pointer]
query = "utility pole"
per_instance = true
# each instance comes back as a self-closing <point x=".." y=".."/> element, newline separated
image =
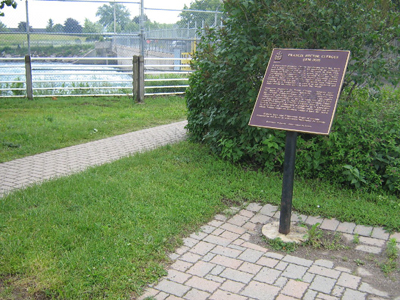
<point x="142" y="44"/>
<point x="27" y="28"/>
<point x="115" y="20"/>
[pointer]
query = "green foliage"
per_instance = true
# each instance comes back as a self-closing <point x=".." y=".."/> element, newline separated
<point x="22" y="27"/>
<point x="396" y="4"/>
<point x="356" y="238"/>
<point x="363" y="149"/>
<point x="192" y="19"/>
<point x="318" y="240"/>
<point x="72" y="26"/>
<point x="279" y="245"/>
<point x="92" y="27"/>
<point x="359" y="262"/>
<point x="314" y="236"/>
<point x="50" y="26"/>
<point x="3" y="27"/>
<point x="392" y="252"/>
<point x="106" y="14"/>
<point x="15" y="86"/>
<point x="11" y="3"/>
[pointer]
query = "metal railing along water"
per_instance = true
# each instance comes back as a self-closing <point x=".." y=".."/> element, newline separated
<point x="65" y="76"/>
<point x="97" y="76"/>
<point x="12" y="77"/>
<point x="78" y="77"/>
<point x="176" y="72"/>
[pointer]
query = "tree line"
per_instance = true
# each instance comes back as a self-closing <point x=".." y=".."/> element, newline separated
<point x="123" y="23"/>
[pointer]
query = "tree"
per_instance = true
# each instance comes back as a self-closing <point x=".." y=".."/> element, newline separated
<point x="3" y="28"/>
<point x="148" y="25"/>
<point x="131" y="27"/>
<point x="72" y="26"/>
<point x="136" y="19"/>
<point x="106" y="14"/>
<point x="3" y="3"/>
<point x="22" y="27"/>
<point x="50" y="26"/>
<point x="58" y="28"/>
<point x="197" y="18"/>
<point x="91" y="27"/>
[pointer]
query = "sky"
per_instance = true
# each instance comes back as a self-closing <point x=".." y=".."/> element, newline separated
<point x="41" y="11"/>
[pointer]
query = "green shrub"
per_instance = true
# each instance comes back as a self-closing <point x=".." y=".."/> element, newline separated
<point x="363" y="149"/>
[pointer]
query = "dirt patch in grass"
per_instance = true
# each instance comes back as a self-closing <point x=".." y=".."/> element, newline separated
<point x="9" y="290"/>
<point x="231" y="202"/>
<point x="341" y="250"/>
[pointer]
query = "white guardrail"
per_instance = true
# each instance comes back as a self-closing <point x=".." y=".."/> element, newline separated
<point x="82" y="76"/>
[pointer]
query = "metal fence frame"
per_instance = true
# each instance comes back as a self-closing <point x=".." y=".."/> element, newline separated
<point x="178" y="68"/>
<point x="142" y="33"/>
<point x="143" y="82"/>
<point x="138" y="69"/>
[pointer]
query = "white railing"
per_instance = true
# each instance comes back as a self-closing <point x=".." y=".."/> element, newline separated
<point x="83" y="76"/>
<point x="176" y="71"/>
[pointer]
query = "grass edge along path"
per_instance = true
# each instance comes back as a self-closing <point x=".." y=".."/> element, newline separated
<point x="106" y="232"/>
<point x="45" y="124"/>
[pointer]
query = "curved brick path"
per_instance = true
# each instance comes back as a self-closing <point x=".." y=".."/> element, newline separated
<point x="219" y="262"/>
<point x="33" y="169"/>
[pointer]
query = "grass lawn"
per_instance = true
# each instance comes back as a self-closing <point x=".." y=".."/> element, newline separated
<point x="31" y="127"/>
<point x="106" y="232"/>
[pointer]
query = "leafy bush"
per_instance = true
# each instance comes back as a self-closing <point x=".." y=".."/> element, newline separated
<point x="363" y="149"/>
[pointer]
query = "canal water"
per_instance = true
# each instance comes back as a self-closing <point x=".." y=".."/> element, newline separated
<point x="50" y="78"/>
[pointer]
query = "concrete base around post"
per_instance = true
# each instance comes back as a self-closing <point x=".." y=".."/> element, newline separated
<point x="297" y="234"/>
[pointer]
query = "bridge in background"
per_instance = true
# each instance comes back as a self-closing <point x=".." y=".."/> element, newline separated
<point x="129" y="47"/>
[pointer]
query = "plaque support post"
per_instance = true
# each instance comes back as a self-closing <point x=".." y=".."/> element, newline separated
<point x="287" y="185"/>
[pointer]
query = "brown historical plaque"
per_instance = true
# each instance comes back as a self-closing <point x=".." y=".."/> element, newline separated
<point x="300" y="90"/>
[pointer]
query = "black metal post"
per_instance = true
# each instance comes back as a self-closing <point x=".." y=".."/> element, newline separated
<point x="287" y="185"/>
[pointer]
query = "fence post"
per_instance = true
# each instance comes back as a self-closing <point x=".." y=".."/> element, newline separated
<point x="138" y="78"/>
<point x="28" y="76"/>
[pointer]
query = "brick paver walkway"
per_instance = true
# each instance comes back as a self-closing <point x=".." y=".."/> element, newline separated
<point x="220" y="262"/>
<point x="33" y="169"/>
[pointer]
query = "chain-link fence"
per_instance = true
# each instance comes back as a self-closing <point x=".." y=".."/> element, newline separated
<point x="79" y="28"/>
<point x="55" y="32"/>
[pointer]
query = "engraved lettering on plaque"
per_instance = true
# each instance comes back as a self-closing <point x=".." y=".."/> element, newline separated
<point x="300" y="90"/>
